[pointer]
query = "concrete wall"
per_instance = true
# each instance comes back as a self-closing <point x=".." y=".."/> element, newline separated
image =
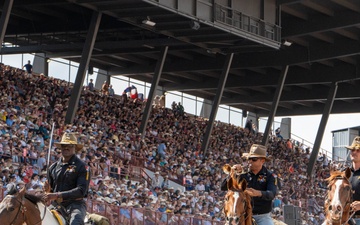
<point x="285" y="128"/>
<point x="206" y="108"/>
<point x="38" y="63"/>
<point x="171" y="183"/>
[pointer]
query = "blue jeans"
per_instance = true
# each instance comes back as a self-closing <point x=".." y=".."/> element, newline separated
<point x="77" y="212"/>
<point x="263" y="219"/>
<point x="357" y="220"/>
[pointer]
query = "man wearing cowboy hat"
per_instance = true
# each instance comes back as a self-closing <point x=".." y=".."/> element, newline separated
<point x="68" y="180"/>
<point x="354" y="149"/>
<point x="261" y="184"/>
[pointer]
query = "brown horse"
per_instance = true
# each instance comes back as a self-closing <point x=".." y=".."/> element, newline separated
<point x="237" y="205"/>
<point x="339" y="198"/>
<point x="22" y="207"/>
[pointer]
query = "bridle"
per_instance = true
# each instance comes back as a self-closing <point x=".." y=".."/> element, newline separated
<point x="23" y="209"/>
<point x="244" y="215"/>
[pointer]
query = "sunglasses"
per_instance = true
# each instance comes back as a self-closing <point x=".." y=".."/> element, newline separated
<point x="355" y="150"/>
<point x="67" y="145"/>
<point x="254" y="159"/>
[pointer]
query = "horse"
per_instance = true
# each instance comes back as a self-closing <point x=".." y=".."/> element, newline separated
<point x="22" y="207"/>
<point x="237" y="205"/>
<point x="339" y="198"/>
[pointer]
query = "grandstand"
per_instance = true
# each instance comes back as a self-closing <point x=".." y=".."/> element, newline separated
<point x="274" y="58"/>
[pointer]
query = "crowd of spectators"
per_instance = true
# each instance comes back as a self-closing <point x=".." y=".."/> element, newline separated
<point x="108" y="127"/>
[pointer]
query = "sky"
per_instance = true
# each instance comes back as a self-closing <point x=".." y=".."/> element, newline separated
<point x="304" y="127"/>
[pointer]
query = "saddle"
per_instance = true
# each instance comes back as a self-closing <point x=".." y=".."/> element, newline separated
<point x="59" y="213"/>
<point x="63" y="218"/>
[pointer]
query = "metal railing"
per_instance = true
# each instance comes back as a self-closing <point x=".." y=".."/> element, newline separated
<point x="126" y="215"/>
<point x="142" y="216"/>
<point x="247" y="23"/>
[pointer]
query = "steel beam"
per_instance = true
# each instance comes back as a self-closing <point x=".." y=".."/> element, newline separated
<point x="4" y="20"/>
<point x="216" y="102"/>
<point x="275" y="104"/>
<point x="320" y="133"/>
<point x="84" y="65"/>
<point x="154" y="84"/>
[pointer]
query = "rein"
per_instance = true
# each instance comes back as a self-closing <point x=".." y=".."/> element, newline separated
<point x="21" y="208"/>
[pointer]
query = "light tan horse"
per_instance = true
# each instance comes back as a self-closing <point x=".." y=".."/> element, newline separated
<point x="237" y="205"/>
<point x="339" y="198"/>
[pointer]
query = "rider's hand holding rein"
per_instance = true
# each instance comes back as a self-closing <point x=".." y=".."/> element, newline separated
<point x="253" y="193"/>
<point x="52" y="196"/>
<point x="355" y="206"/>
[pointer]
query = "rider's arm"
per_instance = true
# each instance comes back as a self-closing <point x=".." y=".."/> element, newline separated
<point x="270" y="192"/>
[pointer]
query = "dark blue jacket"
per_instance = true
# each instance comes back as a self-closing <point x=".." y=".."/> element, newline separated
<point x="72" y="179"/>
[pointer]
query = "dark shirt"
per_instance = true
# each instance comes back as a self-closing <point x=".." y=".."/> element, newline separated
<point x="355" y="183"/>
<point x="71" y="179"/>
<point x="28" y="67"/>
<point x="265" y="182"/>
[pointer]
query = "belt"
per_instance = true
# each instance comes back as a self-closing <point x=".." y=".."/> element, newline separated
<point x="259" y="214"/>
<point x="60" y="200"/>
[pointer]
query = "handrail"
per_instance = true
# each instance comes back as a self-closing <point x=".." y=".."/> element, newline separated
<point x="324" y="151"/>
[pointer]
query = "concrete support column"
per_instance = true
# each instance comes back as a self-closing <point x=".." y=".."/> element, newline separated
<point x="4" y="20"/>
<point x="322" y="126"/>
<point x="154" y="84"/>
<point x="216" y="103"/>
<point x="275" y="104"/>
<point x="84" y="65"/>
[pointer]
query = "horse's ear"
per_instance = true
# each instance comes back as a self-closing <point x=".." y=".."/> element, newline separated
<point x="243" y="184"/>
<point x="227" y="168"/>
<point x="22" y="191"/>
<point x="348" y="173"/>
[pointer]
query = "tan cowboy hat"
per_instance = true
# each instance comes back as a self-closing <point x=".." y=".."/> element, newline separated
<point x="257" y="151"/>
<point x="355" y="144"/>
<point x="69" y="139"/>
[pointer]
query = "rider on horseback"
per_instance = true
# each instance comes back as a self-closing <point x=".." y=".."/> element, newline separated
<point x="261" y="185"/>
<point x="68" y="180"/>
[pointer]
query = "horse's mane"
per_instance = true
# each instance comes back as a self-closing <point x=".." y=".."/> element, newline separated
<point x="29" y="196"/>
<point x="334" y="175"/>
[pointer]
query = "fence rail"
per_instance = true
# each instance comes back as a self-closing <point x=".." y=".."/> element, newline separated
<point x="126" y="215"/>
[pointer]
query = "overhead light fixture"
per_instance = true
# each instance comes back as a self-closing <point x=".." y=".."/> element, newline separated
<point x="287" y="43"/>
<point x="148" y="22"/>
<point x="148" y="46"/>
<point x="195" y="25"/>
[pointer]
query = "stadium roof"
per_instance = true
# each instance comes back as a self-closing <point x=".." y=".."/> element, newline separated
<point x="324" y="35"/>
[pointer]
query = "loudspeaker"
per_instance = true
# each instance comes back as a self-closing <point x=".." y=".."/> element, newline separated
<point x="194" y="25"/>
<point x="91" y="70"/>
<point x="245" y="112"/>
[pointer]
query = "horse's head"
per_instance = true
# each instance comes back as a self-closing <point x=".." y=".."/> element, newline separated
<point x="19" y="208"/>
<point x="11" y="208"/>
<point x="237" y="207"/>
<point x="338" y="201"/>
